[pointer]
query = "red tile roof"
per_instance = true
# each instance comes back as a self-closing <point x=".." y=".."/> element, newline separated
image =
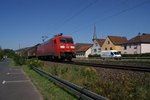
<point x="82" y="47"/>
<point x="117" y="40"/>
<point x="144" y="38"/>
<point x="100" y="41"/>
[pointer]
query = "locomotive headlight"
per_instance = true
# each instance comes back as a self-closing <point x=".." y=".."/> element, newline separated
<point x="72" y="47"/>
<point x="62" y="47"/>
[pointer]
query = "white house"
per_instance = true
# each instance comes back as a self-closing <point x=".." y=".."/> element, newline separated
<point x="96" y="47"/>
<point x="137" y="45"/>
<point x="83" y="49"/>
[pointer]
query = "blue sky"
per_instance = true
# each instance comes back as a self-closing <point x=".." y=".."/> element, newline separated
<point x="24" y="22"/>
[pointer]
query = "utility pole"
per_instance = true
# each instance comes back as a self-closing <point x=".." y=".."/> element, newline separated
<point x="94" y="33"/>
<point x="19" y="45"/>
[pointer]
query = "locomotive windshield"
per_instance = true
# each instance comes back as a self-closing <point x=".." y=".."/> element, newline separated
<point x="66" y="40"/>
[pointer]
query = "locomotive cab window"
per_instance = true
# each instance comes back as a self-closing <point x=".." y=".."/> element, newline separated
<point x="66" y="40"/>
<point x="62" y="40"/>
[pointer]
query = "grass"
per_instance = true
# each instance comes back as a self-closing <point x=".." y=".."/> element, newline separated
<point x="49" y="90"/>
<point x="110" y="83"/>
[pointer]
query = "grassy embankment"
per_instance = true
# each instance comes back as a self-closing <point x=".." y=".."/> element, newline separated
<point x="113" y="84"/>
<point x="47" y="88"/>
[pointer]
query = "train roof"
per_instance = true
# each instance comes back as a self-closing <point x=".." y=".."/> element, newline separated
<point x="55" y="36"/>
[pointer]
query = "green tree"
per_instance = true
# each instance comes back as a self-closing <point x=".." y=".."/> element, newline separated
<point x="9" y="53"/>
<point x="1" y="53"/>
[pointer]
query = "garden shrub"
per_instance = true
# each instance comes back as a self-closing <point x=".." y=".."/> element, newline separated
<point x="136" y="55"/>
<point x="35" y="62"/>
<point x="19" y="60"/>
<point x="94" y="56"/>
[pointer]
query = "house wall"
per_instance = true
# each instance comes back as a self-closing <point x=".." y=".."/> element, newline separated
<point x="110" y="46"/>
<point x="118" y="48"/>
<point x="88" y="52"/>
<point x="132" y="49"/>
<point x="145" y="48"/>
<point x="83" y="54"/>
<point x="107" y="46"/>
<point x="136" y="49"/>
<point x="96" y="49"/>
<point x="80" y="54"/>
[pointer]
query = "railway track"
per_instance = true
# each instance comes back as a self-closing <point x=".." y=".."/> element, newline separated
<point x="122" y="67"/>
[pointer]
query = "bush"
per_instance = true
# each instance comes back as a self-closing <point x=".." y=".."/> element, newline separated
<point x="136" y="55"/>
<point x="19" y="60"/>
<point x="94" y="56"/>
<point x="9" y="53"/>
<point x="35" y="62"/>
<point x="1" y="54"/>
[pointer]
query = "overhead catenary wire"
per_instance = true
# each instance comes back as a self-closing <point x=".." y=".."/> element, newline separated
<point x="81" y="11"/>
<point x="59" y="25"/>
<point x="114" y="15"/>
<point x="77" y="14"/>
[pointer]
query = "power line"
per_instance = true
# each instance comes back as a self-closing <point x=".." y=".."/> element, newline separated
<point x="77" y="14"/>
<point x="116" y="14"/>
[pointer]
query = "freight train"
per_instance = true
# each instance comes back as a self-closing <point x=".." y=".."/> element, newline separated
<point x="57" y="48"/>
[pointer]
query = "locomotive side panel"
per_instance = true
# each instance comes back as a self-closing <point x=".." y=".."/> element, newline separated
<point x="52" y="47"/>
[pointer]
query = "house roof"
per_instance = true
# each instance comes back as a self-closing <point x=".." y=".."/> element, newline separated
<point x="82" y="47"/>
<point x="100" y="41"/>
<point x="117" y="40"/>
<point x="144" y="38"/>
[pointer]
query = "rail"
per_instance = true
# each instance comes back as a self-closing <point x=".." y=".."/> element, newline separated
<point x="99" y="58"/>
<point x="80" y="92"/>
<point x="112" y="66"/>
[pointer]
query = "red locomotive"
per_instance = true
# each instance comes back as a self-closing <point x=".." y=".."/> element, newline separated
<point x="59" y="48"/>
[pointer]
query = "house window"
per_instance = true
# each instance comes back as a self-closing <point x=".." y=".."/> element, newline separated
<point x="99" y="49"/>
<point x="125" y="47"/>
<point x="108" y="42"/>
<point x="95" y="50"/>
<point x="135" y="47"/>
<point x="125" y="52"/>
<point x="96" y="44"/>
<point x="105" y="48"/>
<point x="111" y="48"/>
<point x="130" y="46"/>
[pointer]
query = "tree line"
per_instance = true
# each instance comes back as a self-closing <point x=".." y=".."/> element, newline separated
<point x="6" y="53"/>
